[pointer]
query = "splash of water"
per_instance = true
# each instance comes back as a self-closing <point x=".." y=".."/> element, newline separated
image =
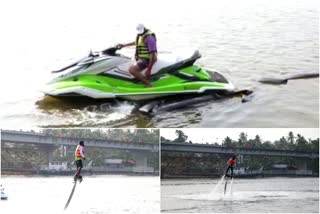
<point x="231" y="188"/>
<point x="218" y="190"/>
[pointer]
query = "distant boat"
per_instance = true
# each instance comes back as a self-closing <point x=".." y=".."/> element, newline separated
<point x="246" y="172"/>
<point x="3" y="195"/>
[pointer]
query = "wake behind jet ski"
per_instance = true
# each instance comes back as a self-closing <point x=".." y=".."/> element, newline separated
<point x="104" y="75"/>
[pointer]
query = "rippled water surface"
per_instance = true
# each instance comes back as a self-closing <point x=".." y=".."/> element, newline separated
<point x="101" y="194"/>
<point x="245" y="40"/>
<point x="279" y="195"/>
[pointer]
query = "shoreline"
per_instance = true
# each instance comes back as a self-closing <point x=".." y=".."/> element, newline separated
<point x="238" y="177"/>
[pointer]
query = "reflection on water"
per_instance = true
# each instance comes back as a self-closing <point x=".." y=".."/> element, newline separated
<point x="243" y="40"/>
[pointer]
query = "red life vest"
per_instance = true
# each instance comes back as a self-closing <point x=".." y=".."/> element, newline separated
<point x="231" y="161"/>
<point x="77" y="153"/>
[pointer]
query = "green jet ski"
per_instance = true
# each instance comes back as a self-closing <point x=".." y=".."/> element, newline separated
<point x="104" y="75"/>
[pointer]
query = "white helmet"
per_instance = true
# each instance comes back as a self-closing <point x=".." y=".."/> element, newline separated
<point x="140" y="28"/>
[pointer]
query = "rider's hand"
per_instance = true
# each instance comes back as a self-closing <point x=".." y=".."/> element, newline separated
<point x="119" y="46"/>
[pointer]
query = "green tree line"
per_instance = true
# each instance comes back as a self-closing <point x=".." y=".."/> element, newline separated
<point x="292" y="142"/>
<point x="123" y="135"/>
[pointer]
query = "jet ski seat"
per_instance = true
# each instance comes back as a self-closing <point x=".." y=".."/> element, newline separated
<point x="173" y="62"/>
<point x="165" y="63"/>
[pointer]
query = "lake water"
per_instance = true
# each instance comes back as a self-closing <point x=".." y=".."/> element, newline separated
<point x="96" y="194"/>
<point x="245" y="40"/>
<point x="275" y="195"/>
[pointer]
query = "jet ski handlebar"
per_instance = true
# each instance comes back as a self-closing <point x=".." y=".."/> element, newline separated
<point x="109" y="51"/>
<point x="112" y="50"/>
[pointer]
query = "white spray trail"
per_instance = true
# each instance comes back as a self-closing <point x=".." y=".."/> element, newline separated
<point x="219" y="186"/>
<point x="231" y="188"/>
<point x="218" y="190"/>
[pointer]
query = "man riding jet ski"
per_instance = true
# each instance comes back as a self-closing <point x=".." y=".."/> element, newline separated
<point x="145" y="55"/>
<point x="104" y="75"/>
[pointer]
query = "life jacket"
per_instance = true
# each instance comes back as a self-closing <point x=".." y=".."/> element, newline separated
<point x="142" y="51"/>
<point x="77" y="153"/>
<point x="231" y="162"/>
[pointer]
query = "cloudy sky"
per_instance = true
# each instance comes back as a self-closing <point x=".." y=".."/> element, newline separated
<point x="198" y="135"/>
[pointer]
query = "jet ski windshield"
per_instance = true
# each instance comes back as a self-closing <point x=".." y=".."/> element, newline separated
<point x="217" y="77"/>
<point x="111" y="51"/>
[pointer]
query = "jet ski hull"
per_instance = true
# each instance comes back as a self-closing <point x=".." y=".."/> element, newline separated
<point x="136" y="96"/>
<point x="104" y="88"/>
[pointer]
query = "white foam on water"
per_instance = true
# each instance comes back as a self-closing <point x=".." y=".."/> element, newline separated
<point x="249" y="196"/>
<point x="93" y="115"/>
<point x="217" y="194"/>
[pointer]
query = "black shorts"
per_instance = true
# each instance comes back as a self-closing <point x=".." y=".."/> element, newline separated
<point x="79" y="163"/>
<point x="142" y="64"/>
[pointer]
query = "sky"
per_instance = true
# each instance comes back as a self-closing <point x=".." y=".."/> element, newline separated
<point x="212" y="135"/>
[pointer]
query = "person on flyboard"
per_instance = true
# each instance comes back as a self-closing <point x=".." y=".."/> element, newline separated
<point x="79" y="156"/>
<point x="230" y="164"/>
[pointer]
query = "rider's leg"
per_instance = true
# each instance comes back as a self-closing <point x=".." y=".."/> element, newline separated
<point x="79" y="167"/>
<point x="136" y="69"/>
<point x="227" y="171"/>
